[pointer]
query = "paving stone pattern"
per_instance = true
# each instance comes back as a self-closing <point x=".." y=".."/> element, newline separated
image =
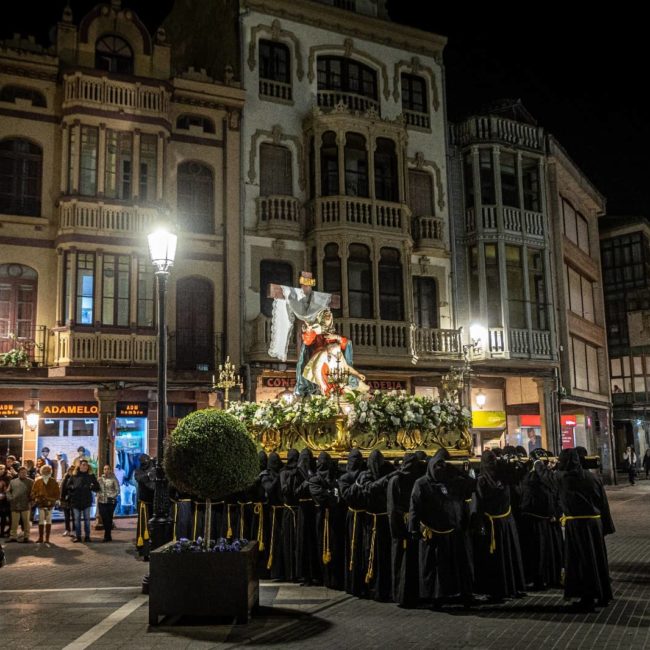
<point x="49" y="597"/>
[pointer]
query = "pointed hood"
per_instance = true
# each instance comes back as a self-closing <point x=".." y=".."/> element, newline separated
<point x="305" y="462"/>
<point x="377" y="465"/>
<point x="436" y="466"/>
<point x="274" y="463"/>
<point x="263" y="460"/>
<point x="355" y="461"/>
<point x="292" y="459"/>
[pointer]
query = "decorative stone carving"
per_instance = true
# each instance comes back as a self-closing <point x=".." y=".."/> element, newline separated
<point x="275" y="31"/>
<point x="414" y="66"/>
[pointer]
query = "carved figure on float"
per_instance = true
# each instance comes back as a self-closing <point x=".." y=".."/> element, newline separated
<point x="324" y="354"/>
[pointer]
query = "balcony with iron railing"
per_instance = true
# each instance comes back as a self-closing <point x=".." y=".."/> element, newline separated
<point x="490" y="128"/>
<point x="82" y="88"/>
<point x="427" y="232"/>
<point x="103" y="218"/>
<point x="26" y="348"/>
<point x="336" y="211"/>
<point x="330" y="99"/>
<point x="279" y="216"/>
<point x="515" y="221"/>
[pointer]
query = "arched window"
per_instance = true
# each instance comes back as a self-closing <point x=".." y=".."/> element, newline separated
<point x="329" y="165"/>
<point x="186" y="121"/>
<point x="196" y="197"/>
<point x="359" y="281"/>
<point x="272" y="272"/>
<point x="275" y="171"/>
<point x="11" y="93"/>
<point x="332" y="271"/>
<point x="391" y="298"/>
<point x="356" y="165"/>
<point x="425" y="302"/>
<point x="386" y="184"/>
<point x="114" y="54"/>
<point x="17" y="304"/>
<point x="21" y="165"/>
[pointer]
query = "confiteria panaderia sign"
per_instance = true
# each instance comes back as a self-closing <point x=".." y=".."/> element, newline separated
<point x="85" y="409"/>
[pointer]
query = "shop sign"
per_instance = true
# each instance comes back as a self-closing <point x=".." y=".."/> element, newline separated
<point x="386" y="384"/>
<point x="132" y="409"/>
<point x="11" y="409"/>
<point x="279" y="382"/>
<point x="568" y="431"/>
<point x="488" y="419"/>
<point x="69" y="409"/>
<point x="530" y="420"/>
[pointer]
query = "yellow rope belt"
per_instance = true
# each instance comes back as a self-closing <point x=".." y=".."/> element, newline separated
<point x="373" y="539"/>
<point x="228" y="506"/>
<point x="354" y="535"/>
<point x="143" y="527"/>
<point x="565" y="518"/>
<point x="292" y="510"/>
<point x="270" y="562"/>
<point x="242" y="506"/>
<point x="493" y="539"/>
<point x="428" y="532"/>
<point x="327" y="554"/>
<point x="258" y="509"/>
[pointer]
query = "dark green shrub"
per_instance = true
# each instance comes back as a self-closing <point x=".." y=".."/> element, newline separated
<point x="210" y="455"/>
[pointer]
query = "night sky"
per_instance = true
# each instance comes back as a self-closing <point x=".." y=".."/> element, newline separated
<point x="583" y="82"/>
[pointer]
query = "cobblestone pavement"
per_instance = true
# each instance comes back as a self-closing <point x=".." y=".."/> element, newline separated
<point x="76" y="596"/>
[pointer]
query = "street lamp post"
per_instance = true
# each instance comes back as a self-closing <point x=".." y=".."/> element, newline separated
<point x="162" y="247"/>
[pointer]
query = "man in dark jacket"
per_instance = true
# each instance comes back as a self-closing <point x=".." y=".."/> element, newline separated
<point x="82" y="485"/>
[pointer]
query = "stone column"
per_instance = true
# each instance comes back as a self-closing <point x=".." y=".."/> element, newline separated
<point x="549" y="416"/>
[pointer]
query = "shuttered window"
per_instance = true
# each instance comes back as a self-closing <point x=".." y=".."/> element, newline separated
<point x="276" y="178"/>
<point x="421" y="194"/>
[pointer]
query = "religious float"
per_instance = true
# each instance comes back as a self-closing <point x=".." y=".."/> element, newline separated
<point x="332" y="408"/>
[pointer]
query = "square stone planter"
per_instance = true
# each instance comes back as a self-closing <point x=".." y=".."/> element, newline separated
<point x="203" y="584"/>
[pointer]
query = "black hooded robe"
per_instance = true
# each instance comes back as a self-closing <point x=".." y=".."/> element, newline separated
<point x="330" y="521"/>
<point x="586" y="519"/>
<point x="260" y="528"/>
<point x="290" y="478"/>
<point x="270" y="480"/>
<point x="370" y="491"/>
<point x="540" y="535"/>
<point x="404" y="547"/>
<point x="438" y="515"/>
<point x="355" y="558"/>
<point x="498" y="562"/>
<point x="307" y="563"/>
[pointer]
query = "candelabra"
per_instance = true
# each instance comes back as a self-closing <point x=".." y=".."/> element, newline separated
<point x="228" y="379"/>
<point x="338" y="377"/>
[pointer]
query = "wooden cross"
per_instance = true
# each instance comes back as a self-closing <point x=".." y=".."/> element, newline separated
<point x="307" y="282"/>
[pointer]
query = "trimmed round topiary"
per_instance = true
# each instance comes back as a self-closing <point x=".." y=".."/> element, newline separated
<point x="210" y="455"/>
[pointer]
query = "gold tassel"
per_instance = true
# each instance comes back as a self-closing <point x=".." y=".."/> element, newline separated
<point x="270" y="562"/>
<point x="241" y="520"/>
<point x="229" y="531"/>
<point x="175" y="519"/>
<point x="327" y="555"/>
<point x="354" y="535"/>
<point x="259" y="511"/>
<point x="371" y="557"/>
<point x="196" y="519"/>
